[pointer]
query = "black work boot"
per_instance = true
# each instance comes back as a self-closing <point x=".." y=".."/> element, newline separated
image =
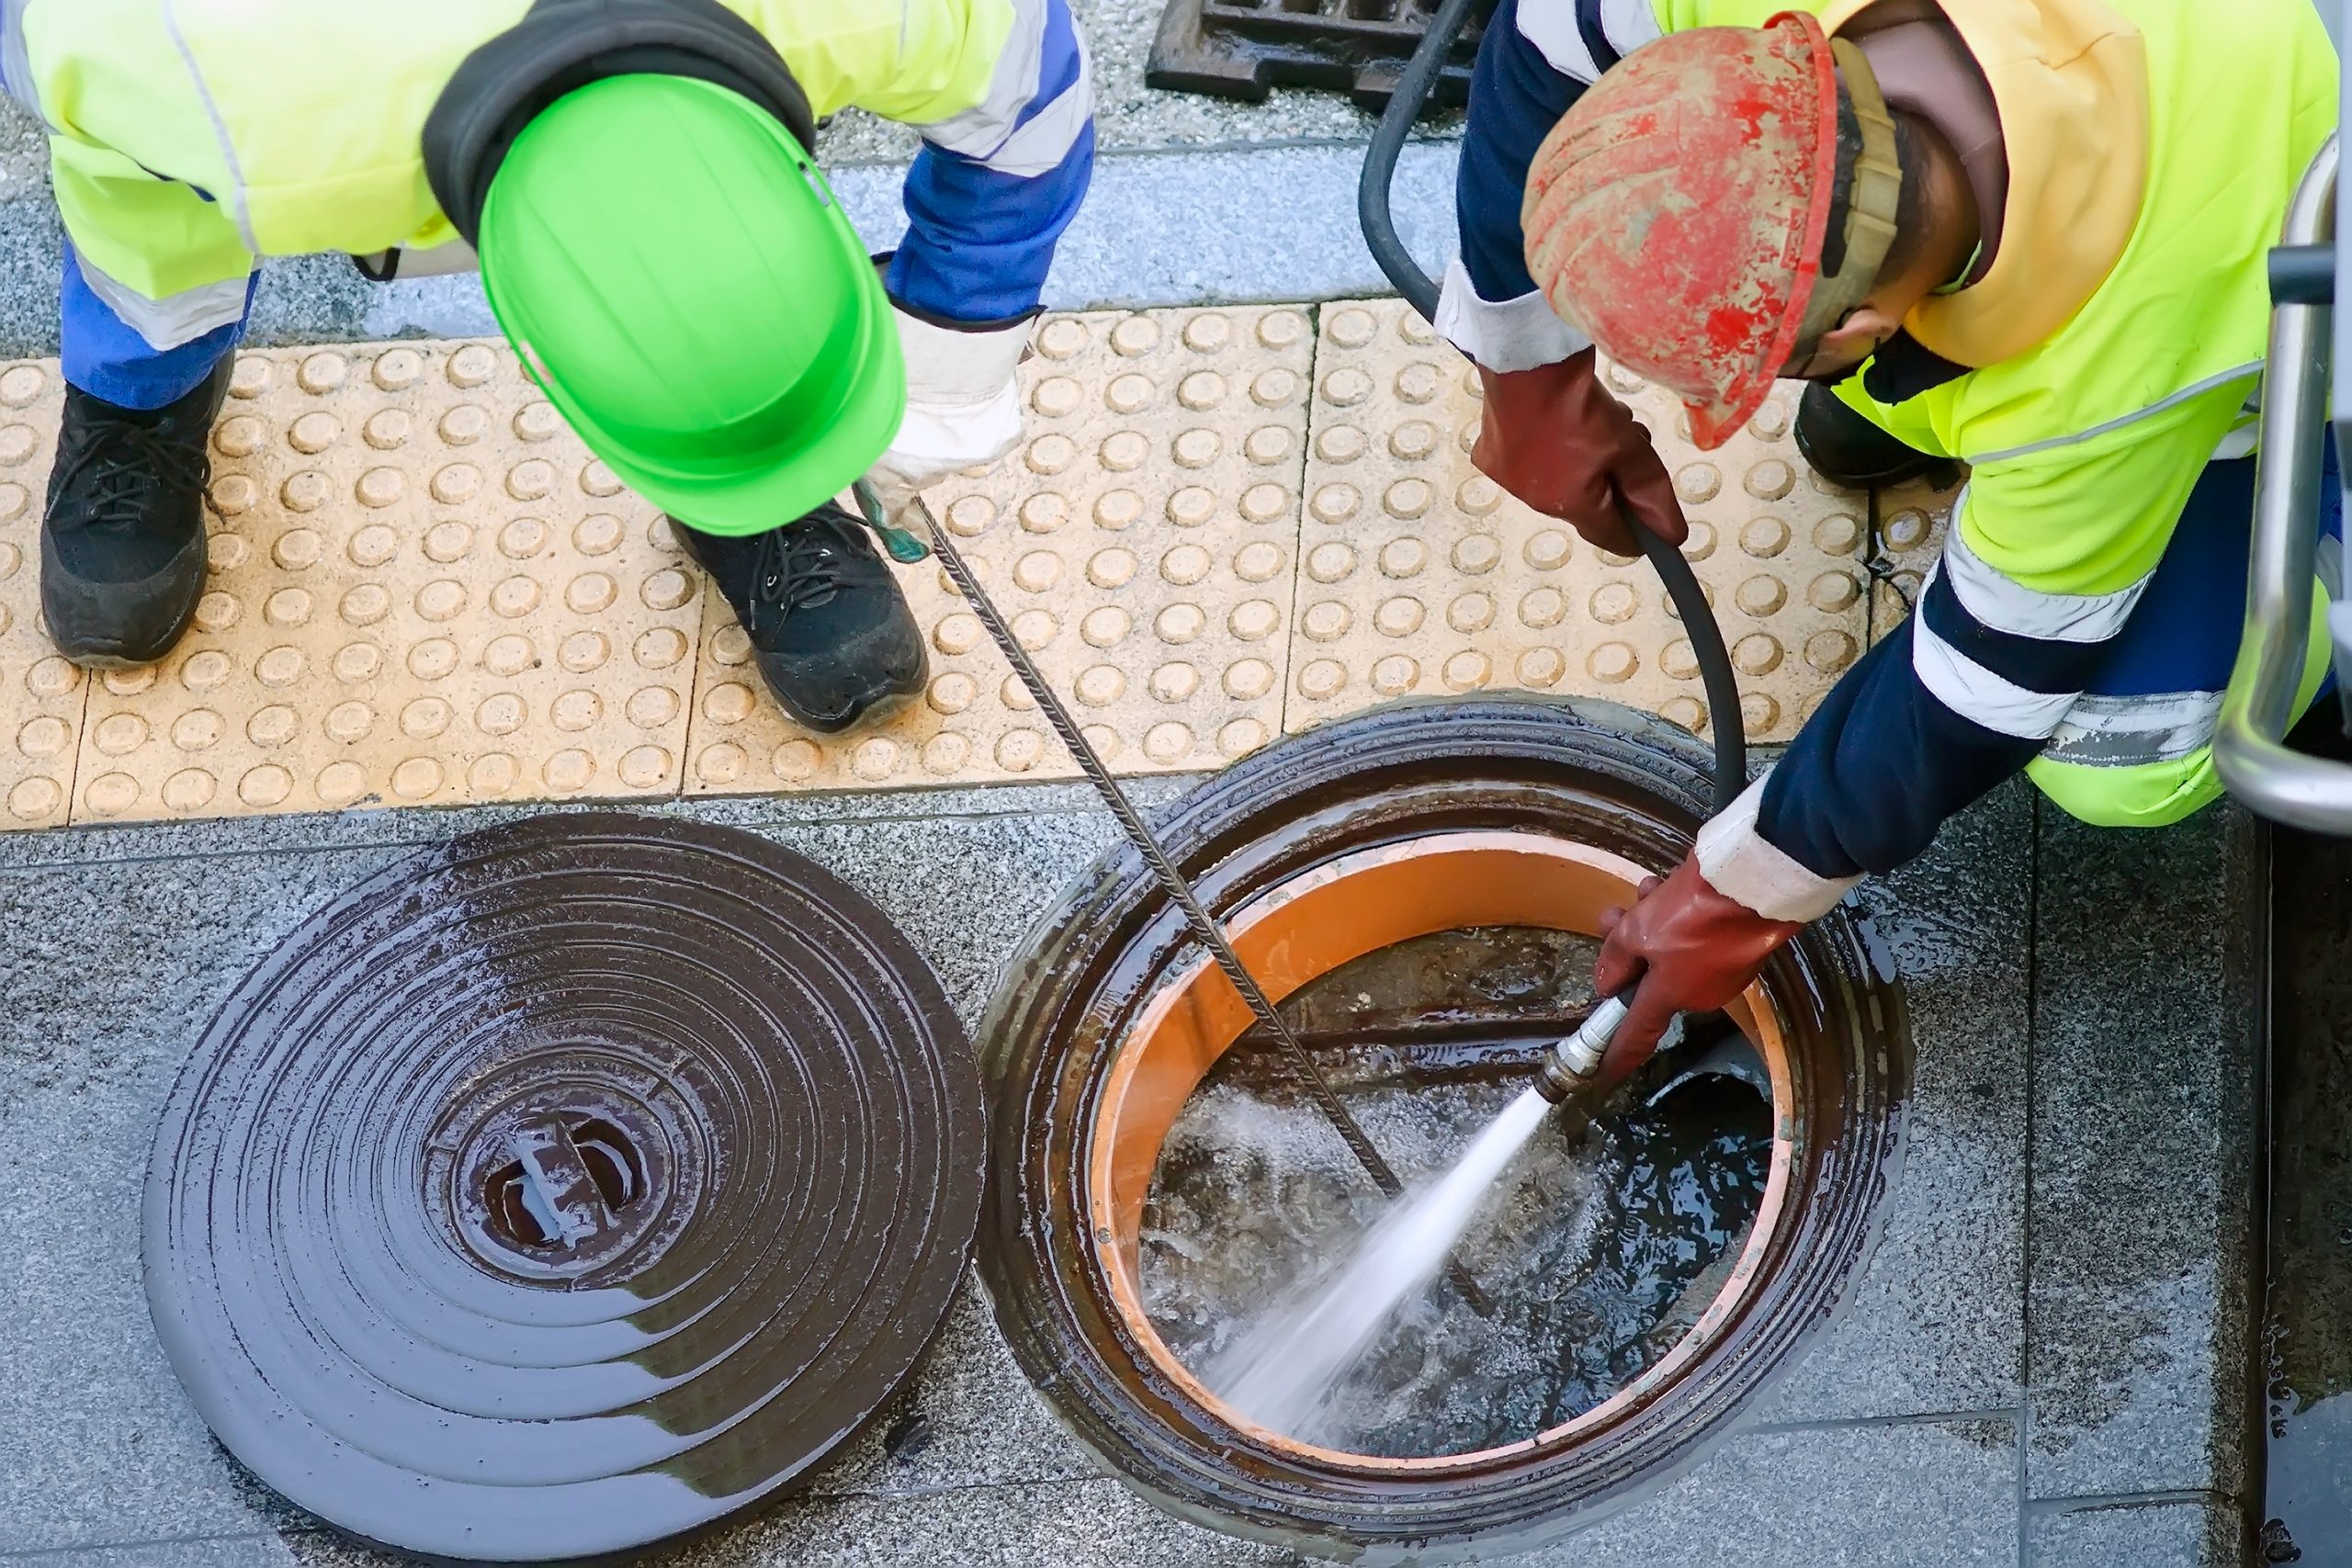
<point x="1843" y="445"/>
<point x="832" y="633"/>
<point x="122" y="543"/>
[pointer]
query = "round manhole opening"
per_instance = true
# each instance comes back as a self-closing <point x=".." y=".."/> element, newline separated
<point x="1397" y="842"/>
<point x="564" y="1189"/>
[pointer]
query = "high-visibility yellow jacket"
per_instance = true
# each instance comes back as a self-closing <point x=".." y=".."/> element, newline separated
<point x="2106" y="356"/>
<point x="188" y="137"/>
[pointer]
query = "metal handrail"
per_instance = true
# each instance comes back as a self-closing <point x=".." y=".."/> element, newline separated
<point x="2260" y="705"/>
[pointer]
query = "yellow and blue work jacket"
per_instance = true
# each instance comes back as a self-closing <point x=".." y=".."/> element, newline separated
<point x="2102" y="359"/>
<point x="189" y="137"/>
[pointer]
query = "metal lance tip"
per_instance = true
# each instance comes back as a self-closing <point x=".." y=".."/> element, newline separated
<point x="1568" y="1064"/>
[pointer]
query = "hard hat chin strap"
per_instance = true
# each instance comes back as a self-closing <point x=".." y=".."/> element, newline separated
<point x="1872" y="198"/>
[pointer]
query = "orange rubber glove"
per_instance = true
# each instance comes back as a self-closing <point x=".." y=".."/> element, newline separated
<point x="1554" y="437"/>
<point x="1686" y="948"/>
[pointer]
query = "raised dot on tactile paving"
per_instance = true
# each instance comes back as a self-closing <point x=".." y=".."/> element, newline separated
<point x="1346" y="387"/>
<point x="446" y="542"/>
<point x="349" y="721"/>
<point x="1135" y="336"/>
<point x="1698" y="546"/>
<point x="1470" y="613"/>
<point x="1061" y="339"/>
<point x="239" y="436"/>
<point x="314" y="432"/>
<point x="396" y="368"/>
<point x="386" y="429"/>
<point x="1267" y="445"/>
<point x="471" y="365"/>
<point x="1612" y="662"/>
<point x="1264" y="502"/>
<point x="1254" y="620"/>
<point x="1547" y="550"/>
<point x="1327" y="621"/>
<point x="218" y="612"/>
<point x="1175" y="682"/>
<point x="1400" y="617"/>
<point x="1419" y="382"/>
<point x="13" y="500"/>
<point x="1196" y="448"/>
<point x="21" y="384"/>
<point x="432" y="659"/>
<point x="322" y="372"/>
<point x="207" y="669"/>
<point x="1764" y="536"/>
<point x="18" y="443"/>
<point x="279" y="667"/>
<point x="1905" y="530"/>
<point x="1202" y="389"/>
<point x="1105" y="626"/>
<point x="1118" y="507"/>
<point x="1044" y="512"/>
<point x="251" y="377"/>
<point x="130" y="683"/>
<point x="1034" y="628"/>
<point x="297" y="548"/>
<point x="576" y="710"/>
<point x="1336" y="503"/>
<point x="1541" y="667"/>
<point x="1240" y="737"/>
<point x="1836" y="535"/>
<point x="1406" y="499"/>
<point x="1184" y="565"/>
<point x="1050" y="454"/>
<point x="52" y="677"/>
<point x="665" y="590"/>
<point x="1413" y="440"/>
<point x="1350" y="327"/>
<point x="1247" y="680"/>
<point x="1830" y="651"/>
<point x="1100" y="685"/>
<point x="1757" y="653"/>
<point x="273" y="725"/>
<point x="591" y="591"/>
<point x="958" y="633"/>
<point x="1396" y="674"/>
<point x="951" y="692"/>
<point x="1259" y="561"/>
<point x="425" y="719"/>
<point x="531" y="480"/>
<point x="569" y="770"/>
<point x="1322" y="678"/>
<point x="358" y="662"/>
<point x="189" y="789"/>
<point x="1541" y="607"/>
<point x="501" y="713"/>
<point x="1697" y="482"/>
<point x="968" y="515"/>
<point x="1125" y="451"/>
<point x="1339" y="444"/>
<point x="1403" y="557"/>
<point x="1037" y="570"/>
<point x="509" y="654"/>
<point x="1281" y="328"/>
<point x="440" y="599"/>
<point x="1331" y="561"/>
<point x="34" y="799"/>
<point x="1056" y="397"/>
<point x="119" y="734"/>
<point x="308" y="491"/>
<point x="945" y="754"/>
<point x="516" y="596"/>
<point x="1833" y="591"/>
<point x="1771" y="479"/>
<point x="1166" y="742"/>
<point x="1192" y="506"/>
<point x="233" y="494"/>
<point x="1688" y="712"/>
<point x="266" y="785"/>
<point x="494" y="775"/>
<point x="1760" y="595"/>
<point x="1112" y="568"/>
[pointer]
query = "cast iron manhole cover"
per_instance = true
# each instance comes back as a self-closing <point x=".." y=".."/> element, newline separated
<point x="564" y="1189"/>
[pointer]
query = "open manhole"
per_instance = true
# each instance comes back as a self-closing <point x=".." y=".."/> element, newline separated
<point x="1421" y="884"/>
<point x="564" y="1189"/>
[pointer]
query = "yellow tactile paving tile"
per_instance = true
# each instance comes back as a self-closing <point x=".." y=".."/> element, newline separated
<point x="42" y="727"/>
<point x="1911" y="519"/>
<point x="423" y="590"/>
<point x="1141" y="541"/>
<point x="1419" y="575"/>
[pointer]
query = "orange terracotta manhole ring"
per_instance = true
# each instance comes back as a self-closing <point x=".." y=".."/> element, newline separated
<point x="1419" y="819"/>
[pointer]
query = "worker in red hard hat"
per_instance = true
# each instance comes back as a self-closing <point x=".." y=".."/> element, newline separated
<point x="2027" y="235"/>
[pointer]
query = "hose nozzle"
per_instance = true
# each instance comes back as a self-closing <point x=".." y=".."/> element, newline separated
<point x="1568" y="1064"/>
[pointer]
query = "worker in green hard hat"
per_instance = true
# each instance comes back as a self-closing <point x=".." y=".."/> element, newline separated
<point x="635" y="177"/>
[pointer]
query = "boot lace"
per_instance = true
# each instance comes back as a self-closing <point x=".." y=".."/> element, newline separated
<point x="799" y="568"/>
<point x="122" y="464"/>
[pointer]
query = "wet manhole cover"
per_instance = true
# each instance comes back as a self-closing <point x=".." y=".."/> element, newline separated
<point x="564" y="1189"/>
<point x="1420" y="885"/>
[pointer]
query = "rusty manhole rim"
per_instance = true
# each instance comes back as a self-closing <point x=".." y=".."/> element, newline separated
<point x="1583" y="773"/>
<point x="1585" y="881"/>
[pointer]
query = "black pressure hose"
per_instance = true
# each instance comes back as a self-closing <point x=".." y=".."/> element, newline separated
<point x="1420" y="290"/>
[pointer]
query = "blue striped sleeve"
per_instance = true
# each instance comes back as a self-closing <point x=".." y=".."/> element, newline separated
<point x="994" y="187"/>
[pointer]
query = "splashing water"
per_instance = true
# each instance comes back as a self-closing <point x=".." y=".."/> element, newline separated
<point x="1282" y="1371"/>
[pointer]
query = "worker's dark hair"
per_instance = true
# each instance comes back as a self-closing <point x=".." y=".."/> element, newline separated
<point x="1910" y="206"/>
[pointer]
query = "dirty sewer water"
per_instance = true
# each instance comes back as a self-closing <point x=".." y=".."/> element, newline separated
<point x="1601" y="1244"/>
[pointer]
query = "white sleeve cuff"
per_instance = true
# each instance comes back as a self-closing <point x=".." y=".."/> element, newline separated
<point x="1517" y="334"/>
<point x="947" y="367"/>
<point x="1739" y="864"/>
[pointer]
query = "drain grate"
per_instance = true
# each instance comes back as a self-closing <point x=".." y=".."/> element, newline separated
<point x="564" y="1189"/>
<point x="1239" y="49"/>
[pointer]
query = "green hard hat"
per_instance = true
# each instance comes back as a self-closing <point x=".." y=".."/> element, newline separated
<point x="675" y="272"/>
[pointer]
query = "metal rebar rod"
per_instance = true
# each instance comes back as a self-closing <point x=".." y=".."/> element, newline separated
<point x="1205" y="926"/>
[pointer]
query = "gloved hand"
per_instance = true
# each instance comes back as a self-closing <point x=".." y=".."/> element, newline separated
<point x="1554" y="437"/>
<point x="1690" y="948"/>
<point x="963" y="407"/>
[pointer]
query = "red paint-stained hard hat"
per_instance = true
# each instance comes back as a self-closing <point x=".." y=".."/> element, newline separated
<point x="1676" y="212"/>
